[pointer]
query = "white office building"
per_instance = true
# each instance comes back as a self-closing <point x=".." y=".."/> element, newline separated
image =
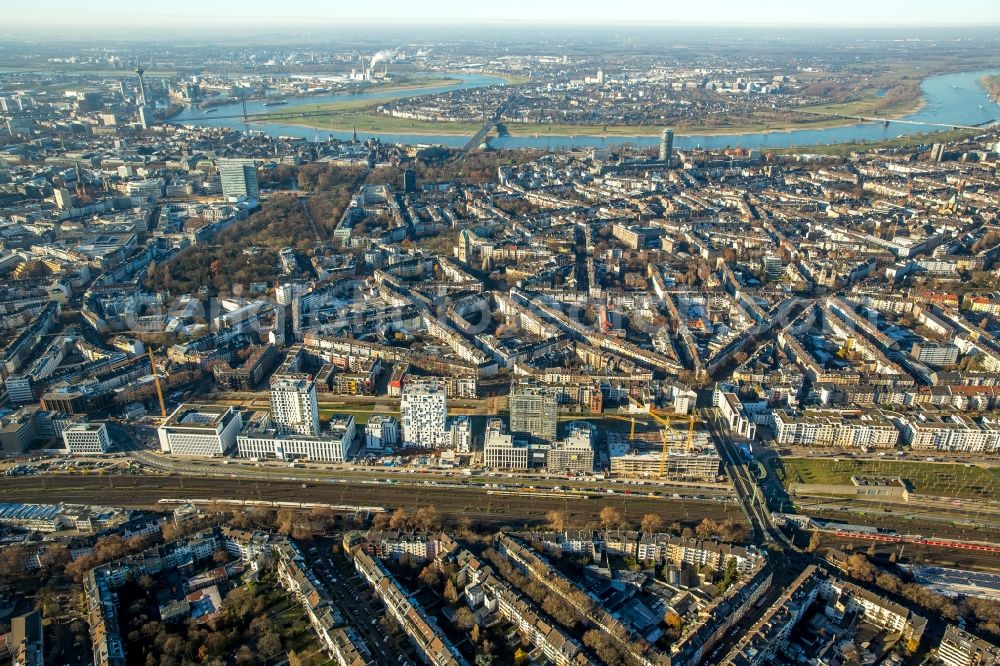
<point x="500" y="451"/>
<point x="381" y="432"/>
<point x="294" y="408"/>
<point x="424" y="409"/>
<point x="833" y="428"/>
<point x="573" y="454"/>
<point x="200" y="430"/>
<point x="332" y="445"/>
<point x="87" y="438"/>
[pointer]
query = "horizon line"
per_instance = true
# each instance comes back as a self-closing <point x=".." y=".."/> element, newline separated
<point x="403" y="21"/>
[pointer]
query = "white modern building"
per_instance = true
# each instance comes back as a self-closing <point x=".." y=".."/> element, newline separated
<point x="461" y="434"/>
<point x="733" y="415"/>
<point x="834" y="428"/>
<point x="424" y="409"/>
<point x="500" y="451"/>
<point x="200" y="430"/>
<point x="381" y="432"/>
<point x="935" y="354"/>
<point x="87" y="438"/>
<point x="950" y="432"/>
<point x="333" y="445"/>
<point x="960" y="648"/>
<point x="294" y="408"/>
<point x="575" y="453"/>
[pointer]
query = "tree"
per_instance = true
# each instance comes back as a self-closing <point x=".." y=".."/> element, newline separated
<point x="269" y="644"/>
<point x="261" y="626"/>
<point x="673" y="621"/>
<point x="464" y="618"/>
<point x="399" y="520"/>
<point x="450" y="592"/>
<point x="611" y="518"/>
<point x="427" y="519"/>
<point x="557" y="520"/>
<point x="707" y="528"/>
<point x="603" y="646"/>
<point x="429" y="576"/>
<point x="730" y="574"/>
<point x="859" y="567"/>
<point x="244" y="656"/>
<point x="380" y="522"/>
<point x="651" y="523"/>
<point x="520" y="657"/>
<point x="815" y="541"/>
<point x="12" y="561"/>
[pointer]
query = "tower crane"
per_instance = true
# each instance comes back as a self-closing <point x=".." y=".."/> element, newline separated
<point x="156" y="379"/>
<point x="664" y="420"/>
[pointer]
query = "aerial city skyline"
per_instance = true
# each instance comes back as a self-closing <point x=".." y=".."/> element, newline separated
<point x="537" y="333"/>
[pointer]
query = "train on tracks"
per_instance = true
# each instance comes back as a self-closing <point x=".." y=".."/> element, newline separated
<point x="916" y="539"/>
<point x="276" y="504"/>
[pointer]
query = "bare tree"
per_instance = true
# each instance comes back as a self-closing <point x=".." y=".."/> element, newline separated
<point x="651" y="523"/>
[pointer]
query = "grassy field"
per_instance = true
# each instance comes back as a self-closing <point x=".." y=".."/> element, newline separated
<point x="948" y="479"/>
<point x="871" y="104"/>
<point x="366" y="119"/>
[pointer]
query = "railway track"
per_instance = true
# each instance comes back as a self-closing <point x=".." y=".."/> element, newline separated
<point x="475" y="503"/>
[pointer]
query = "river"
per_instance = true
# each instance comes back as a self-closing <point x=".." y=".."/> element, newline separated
<point x="949" y="98"/>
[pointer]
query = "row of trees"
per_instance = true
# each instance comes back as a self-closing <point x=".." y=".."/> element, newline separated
<point x="611" y="518"/>
<point x="424" y="519"/>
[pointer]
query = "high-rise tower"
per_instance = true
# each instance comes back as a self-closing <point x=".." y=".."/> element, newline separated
<point x="667" y="146"/>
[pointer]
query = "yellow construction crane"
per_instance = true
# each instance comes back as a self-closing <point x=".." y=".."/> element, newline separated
<point x="159" y="389"/>
<point x="631" y="432"/>
<point x="664" y="420"/>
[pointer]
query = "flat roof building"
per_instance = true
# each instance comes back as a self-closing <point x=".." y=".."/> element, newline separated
<point x="200" y="430"/>
<point x="534" y="412"/>
<point x="87" y="438"/>
<point x="294" y="407"/>
<point x="424" y="414"/>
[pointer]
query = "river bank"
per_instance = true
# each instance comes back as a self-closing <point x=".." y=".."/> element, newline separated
<point x="992" y="86"/>
<point x="364" y="116"/>
<point x="947" y="99"/>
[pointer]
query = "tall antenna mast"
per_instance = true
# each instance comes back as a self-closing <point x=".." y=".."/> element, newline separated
<point x="142" y="84"/>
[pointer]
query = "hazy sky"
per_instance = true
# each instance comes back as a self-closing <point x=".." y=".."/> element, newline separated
<point x="118" y="13"/>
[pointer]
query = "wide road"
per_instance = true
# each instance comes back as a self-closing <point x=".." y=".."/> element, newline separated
<point x="750" y="497"/>
<point x="516" y="509"/>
